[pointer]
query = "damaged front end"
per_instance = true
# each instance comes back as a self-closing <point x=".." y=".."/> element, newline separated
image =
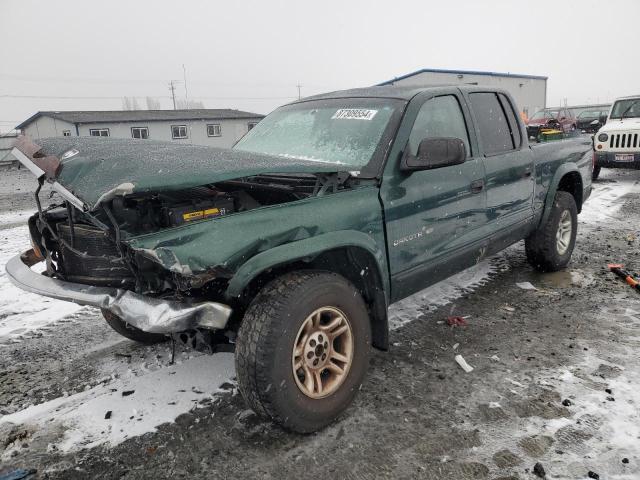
<point x="89" y="244"/>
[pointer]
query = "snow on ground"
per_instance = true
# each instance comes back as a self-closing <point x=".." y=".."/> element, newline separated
<point x="21" y="312"/>
<point x="161" y="392"/>
<point x="15" y="218"/>
<point x="137" y="405"/>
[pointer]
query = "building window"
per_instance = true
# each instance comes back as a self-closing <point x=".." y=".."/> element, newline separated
<point x="99" y="132"/>
<point x="139" y="132"/>
<point x="66" y="133"/>
<point x="179" y="131"/>
<point x="214" y="130"/>
<point x="250" y="125"/>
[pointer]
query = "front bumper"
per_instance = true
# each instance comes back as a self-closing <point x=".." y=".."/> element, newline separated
<point x="608" y="160"/>
<point x="150" y="314"/>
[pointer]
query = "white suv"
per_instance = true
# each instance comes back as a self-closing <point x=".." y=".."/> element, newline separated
<point x="617" y="143"/>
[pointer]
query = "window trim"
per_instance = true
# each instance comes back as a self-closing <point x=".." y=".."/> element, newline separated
<point x="504" y="152"/>
<point x="219" y="125"/>
<point x="460" y="101"/>
<point x="140" y="128"/>
<point x="502" y="97"/>
<point x="186" y="132"/>
<point x="99" y="130"/>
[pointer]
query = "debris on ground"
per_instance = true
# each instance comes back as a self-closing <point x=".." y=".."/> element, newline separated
<point x="625" y="460"/>
<point x="107" y="415"/>
<point x="525" y="286"/>
<point x="538" y="470"/>
<point x="126" y="393"/>
<point x="593" y="475"/>
<point x="456" y="321"/>
<point x="619" y="270"/>
<point x="566" y="402"/>
<point x="463" y="363"/>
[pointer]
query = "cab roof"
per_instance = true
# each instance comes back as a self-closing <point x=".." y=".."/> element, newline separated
<point x="388" y="91"/>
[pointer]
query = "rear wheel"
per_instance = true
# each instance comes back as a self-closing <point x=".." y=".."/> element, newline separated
<point x="303" y="349"/>
<point x="550" y="247"/>
<point x="596" y="172"/>
<point x="131" y="332"/>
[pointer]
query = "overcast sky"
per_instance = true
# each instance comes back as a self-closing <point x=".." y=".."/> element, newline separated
<point x="251" y="55"/>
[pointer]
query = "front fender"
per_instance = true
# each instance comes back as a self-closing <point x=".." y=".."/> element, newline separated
<point x="307" y="248"/>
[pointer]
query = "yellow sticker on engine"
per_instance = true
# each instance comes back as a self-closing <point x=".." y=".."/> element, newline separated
<point x="187" y="217"/>
<point x="211" y="211"/>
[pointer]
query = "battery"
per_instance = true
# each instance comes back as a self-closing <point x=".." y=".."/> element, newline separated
<point x="197" y="210"/>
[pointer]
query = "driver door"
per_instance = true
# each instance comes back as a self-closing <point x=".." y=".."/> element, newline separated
<point x="433" y="217"/>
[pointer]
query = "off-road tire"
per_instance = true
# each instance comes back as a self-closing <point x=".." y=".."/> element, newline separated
<point x="131" y="332"/>
<point x="265" y="344"/>
<point x="596" y="172"/>
<point x="542" y="246"/>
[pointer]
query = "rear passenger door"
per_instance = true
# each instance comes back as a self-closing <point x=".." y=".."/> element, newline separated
<point x="508" y="167"/>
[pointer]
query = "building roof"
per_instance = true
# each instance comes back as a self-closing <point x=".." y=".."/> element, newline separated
<point x="461" y="72"/>
<point x="110" y="116"/>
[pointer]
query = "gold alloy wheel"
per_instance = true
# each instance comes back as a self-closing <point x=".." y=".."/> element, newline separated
<point x="322" y="352"/>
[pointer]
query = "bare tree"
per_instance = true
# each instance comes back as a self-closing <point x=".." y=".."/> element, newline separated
<point x="184" y="104"/>
<point x="130" y="103"/>
<point x="153" y="104"/>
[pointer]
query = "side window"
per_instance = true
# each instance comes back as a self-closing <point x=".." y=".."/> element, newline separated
<point x="495" y="133"/>
<point x="513" y="121"/>
<point x="439" y="117"/>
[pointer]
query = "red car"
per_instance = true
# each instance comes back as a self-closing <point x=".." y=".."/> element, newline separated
<point x="557" y="118"/>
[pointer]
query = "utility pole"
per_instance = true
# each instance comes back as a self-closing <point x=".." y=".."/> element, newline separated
<point x="186" y="94"/>
<point x="299" y="87"/>
<point x="172" y="89"/>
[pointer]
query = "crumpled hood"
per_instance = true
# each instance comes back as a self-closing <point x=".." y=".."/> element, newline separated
<point x="97" y="169"/>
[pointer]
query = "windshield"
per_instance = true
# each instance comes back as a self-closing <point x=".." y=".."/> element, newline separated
<point x="629" y="108"/>
<point x="590" y="114"/>
<point x="341" y="131"/>
<point x="542" y="114"/>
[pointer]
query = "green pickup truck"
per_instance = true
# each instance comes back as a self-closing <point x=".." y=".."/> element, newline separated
<point x="294" y="243"/>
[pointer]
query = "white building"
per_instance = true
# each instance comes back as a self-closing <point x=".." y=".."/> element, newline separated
<point x="6" y="145"/>
<point x="529" y="91"/>
<point x="212" y="127"/>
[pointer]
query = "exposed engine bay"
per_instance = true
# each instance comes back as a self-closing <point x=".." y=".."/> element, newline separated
<point x="88" y="248"/>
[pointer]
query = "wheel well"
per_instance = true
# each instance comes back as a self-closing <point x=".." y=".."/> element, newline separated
<point x="572" y="183"/>
<point x="356" y="265"/>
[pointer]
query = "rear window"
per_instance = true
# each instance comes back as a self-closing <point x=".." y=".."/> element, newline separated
<point x="495" y="133"/>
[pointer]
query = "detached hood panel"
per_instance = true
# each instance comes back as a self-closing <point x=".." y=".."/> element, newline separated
<point x="97" y="169"/>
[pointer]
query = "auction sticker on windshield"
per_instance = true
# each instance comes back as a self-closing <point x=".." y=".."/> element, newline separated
<point x="354" y="114"/>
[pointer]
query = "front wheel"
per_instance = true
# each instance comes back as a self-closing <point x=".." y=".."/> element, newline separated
<point x="549" y="248"/>
<point x="303" y="349"/>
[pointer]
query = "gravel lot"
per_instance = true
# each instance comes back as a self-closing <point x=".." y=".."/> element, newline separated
<point x="555" y="379"/>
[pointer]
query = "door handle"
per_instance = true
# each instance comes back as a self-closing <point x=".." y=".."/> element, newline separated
<point x="477" y="186"/>
<point x="527" y="172"/>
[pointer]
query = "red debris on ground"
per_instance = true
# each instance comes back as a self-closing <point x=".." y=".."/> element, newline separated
<point x="455" y="321"/>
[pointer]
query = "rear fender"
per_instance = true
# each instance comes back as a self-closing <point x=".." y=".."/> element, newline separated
<point x="563" y="170"/>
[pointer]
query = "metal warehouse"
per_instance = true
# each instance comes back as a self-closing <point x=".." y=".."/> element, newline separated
<point x="529" y="91"/>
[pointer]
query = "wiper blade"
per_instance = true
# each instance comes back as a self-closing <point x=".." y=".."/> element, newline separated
<point x="629" y="108"/>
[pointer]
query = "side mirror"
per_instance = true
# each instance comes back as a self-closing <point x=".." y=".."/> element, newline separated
<point x="435" y="153"/>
